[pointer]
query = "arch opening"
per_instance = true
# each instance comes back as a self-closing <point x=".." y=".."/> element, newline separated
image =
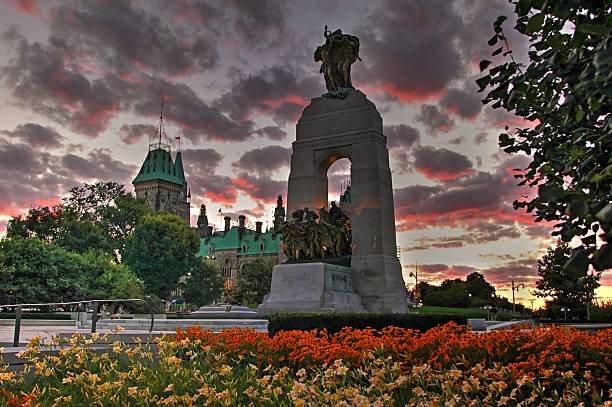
<point x="338" y="178"/>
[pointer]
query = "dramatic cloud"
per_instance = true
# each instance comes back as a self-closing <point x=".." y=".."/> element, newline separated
<point x="412" y="50"/>
<point x="25" y="6"/>
<point x="456" y="141"/>
<point x="272" y="132"/>
<point x="37" y="136"/>
<point x="434" y="120"/>
<point x="482" y="197"/>
<point x="481" y="137"/>
<point x="32" y="177"/>
<point x="124" y="37"/>
<point x="133" y="133"/>
<point x="275" y="92"/>
<point x="401" y="136"/>
<point x="264" y="161"/>
<point x="436" y="273"/>
<point x="462" y="103"/>
<point x="260" y="189"/>
<point x="258" y="24"/>
<point x="206" y="185"/>
<point x="98" y="165"/>
<point x="477" y="234"/>
<point x="39" y="80"/>
<point x="500" y="275"/>
<point x="441" y="164"/>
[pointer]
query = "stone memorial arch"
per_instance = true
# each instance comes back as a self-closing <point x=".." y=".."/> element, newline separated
<point x="342" y="123"/>
<point x="331" y="129"/>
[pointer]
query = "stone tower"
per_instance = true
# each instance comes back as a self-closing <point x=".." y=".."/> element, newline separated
<point x="161" y="180"/>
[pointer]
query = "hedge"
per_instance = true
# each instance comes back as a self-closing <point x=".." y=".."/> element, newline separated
<point x="36" y="315"/>
<point x="334" y="322"/>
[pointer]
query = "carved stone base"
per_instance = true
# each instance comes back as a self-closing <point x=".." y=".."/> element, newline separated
<point x="312" y="287"/>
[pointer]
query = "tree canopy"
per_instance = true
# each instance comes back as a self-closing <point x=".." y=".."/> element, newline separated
<point x="33" y="270"/>
<point x="566" y="287"/>
<point x="203" y="284"/>
<point x="160" y="250"/>
<point x="565" y="92"/>
<point x="254" y="283"/>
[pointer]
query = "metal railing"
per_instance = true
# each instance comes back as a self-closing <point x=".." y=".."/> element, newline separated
<point x="94" y="318"/>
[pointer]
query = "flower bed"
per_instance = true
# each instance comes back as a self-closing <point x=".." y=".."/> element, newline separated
<point x="394" y="366"/>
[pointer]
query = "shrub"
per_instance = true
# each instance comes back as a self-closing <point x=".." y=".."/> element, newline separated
<point x="334" y="322"/>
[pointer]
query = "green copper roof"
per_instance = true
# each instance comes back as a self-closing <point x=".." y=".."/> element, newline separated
<point x="249" y="245"/>
<point x="346" y="196"/>
<point x="159" y="166"/>
<point x="178" y="165"/>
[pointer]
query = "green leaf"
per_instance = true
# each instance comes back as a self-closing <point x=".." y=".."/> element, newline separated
<point x="535" y="23"/>
<point x="498" y="23"/>
<point x="484" y="64"/>
<point x="493" y="40"/>
<point x="579" y="114"/>
<point x="578" y="263"/>
<point x="602" y="260"/>
<point x="497" y="51"/>
<point x="483" y="82"/>
<point x="523" y="7"/>
<point x="593" y="29"/>
<point x="550" y="192"/>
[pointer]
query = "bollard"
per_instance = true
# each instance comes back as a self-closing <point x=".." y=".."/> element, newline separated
<point x="17" y="326"/>
<point x="94" y="316"/>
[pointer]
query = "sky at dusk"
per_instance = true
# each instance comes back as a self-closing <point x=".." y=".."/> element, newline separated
<point x="81" y="82"/>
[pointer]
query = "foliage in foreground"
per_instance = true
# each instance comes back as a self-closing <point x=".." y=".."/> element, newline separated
<point x="565" y="92"/>
<point x="447" y="365"/>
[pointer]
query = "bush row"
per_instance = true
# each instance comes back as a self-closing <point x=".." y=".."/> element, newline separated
<point x="334" y="322"/>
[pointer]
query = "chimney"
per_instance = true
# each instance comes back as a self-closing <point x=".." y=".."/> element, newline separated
<point x="258" y="226"/>
<point x="241" y="220"/>
<point x="227" y="220"/>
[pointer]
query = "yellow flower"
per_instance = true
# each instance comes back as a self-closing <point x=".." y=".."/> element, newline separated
<point x="132" y="390"/>
<point x="170" y="387"/>
<point x="225" y="370"/>
<point x="6" y="376"/>
<point x="419" y="392"/>
<point x="301" y="372"/>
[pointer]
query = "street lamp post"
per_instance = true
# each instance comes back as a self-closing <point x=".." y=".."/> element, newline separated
<point x="488" y="308"/>
<point x="515" y="287"/>
<point x="564" y="310"/>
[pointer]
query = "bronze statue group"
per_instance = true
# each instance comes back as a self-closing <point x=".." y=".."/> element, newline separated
<point x="309" y="235"/>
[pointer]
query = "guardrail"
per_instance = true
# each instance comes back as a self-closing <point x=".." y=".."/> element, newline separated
<point x="94" y="318"/>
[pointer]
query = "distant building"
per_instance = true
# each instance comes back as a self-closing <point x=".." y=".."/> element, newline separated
<point x="161" y="180"/>
<point x="234" y="246"/>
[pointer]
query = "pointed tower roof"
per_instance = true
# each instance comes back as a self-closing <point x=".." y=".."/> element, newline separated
<point x="158" y="165"/>
<point x="178" y="165"/>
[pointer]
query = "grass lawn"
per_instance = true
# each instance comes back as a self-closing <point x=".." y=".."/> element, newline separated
<point x="468" y="312"/>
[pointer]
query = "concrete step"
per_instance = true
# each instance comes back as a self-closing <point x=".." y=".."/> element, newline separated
<point x="168" y="325"/>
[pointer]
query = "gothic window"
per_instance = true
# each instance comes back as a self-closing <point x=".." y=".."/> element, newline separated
<point x="227" y="268"/>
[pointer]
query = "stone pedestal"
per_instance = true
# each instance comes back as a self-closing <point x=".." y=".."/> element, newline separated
<point x="312" y="287"/>
<point x="331" y="129"/>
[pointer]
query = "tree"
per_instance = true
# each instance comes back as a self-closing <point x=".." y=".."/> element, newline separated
<point x="254" y="283"/>
<point x="480" y="289"/>
<point x="567" y="287"/>
<point x="565" y="91"/>
<point x="161" y="250"/>
<point x="38" y="222"/>
<point x="108" y="205"/>
<point x="203" y="285"/>
<point x="33" y="270"/>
